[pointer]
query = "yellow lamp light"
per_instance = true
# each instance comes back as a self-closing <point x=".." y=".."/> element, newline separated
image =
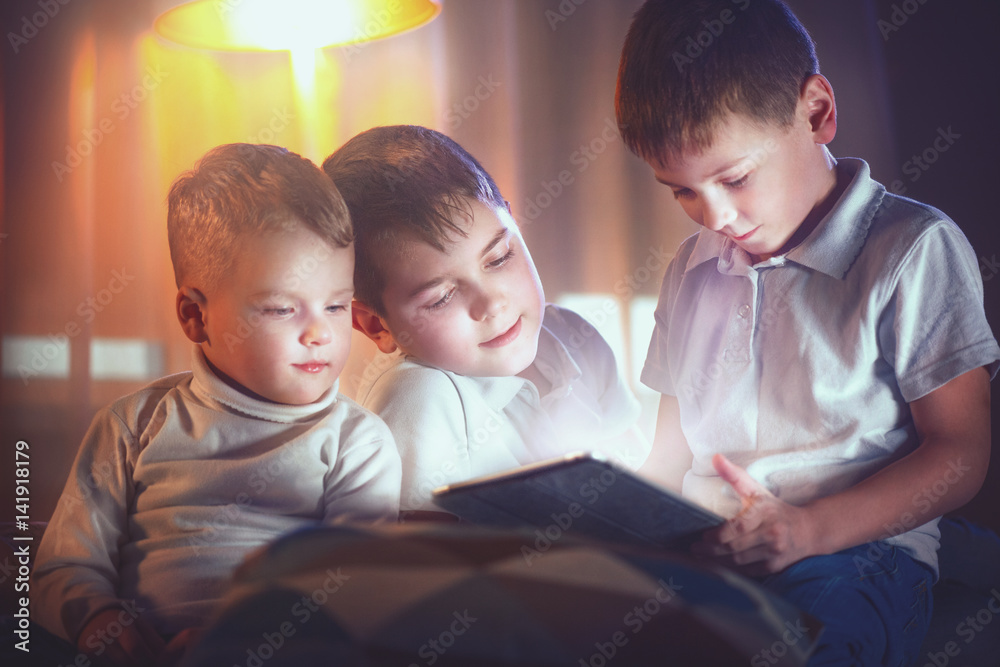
<point x="290" y="25"/>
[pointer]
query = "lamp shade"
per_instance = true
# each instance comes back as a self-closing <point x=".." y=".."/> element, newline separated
<point x="279" y="25"/>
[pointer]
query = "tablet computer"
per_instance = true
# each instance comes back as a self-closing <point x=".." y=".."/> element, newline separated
<point x="582" y="494"/>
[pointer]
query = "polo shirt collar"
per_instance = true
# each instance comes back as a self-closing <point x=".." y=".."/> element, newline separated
<point x="556" y="364"/>
<point x="831" y="248"/>
<point x="709" y="245"/>
<point x="839" y="237"/>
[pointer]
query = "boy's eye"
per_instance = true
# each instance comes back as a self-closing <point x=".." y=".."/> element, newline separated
<point x="443" y="301"/>
<point x="683" y="193"/>
<point x="276" y="311"/>
<point x="497" y="263"/>
<point x="337" y="308"/>
<point x="739" y="182"/>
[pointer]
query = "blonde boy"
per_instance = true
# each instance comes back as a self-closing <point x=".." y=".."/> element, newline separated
<point x="198" y="469"/>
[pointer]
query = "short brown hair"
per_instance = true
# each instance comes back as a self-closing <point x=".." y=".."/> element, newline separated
<point x="686" y="64"/>
<point x="238" y="189"/>
<point x="404" y="180"/>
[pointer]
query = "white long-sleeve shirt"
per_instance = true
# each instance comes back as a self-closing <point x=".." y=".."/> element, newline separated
<point x="175" y="484"/>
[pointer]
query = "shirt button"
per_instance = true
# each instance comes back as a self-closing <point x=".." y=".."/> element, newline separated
<point x="735" y="355"/>
<point x="744" y="311"/>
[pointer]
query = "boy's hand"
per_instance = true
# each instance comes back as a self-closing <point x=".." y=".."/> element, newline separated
<point x="137" y="644"/>
<point x="766" y="536"/>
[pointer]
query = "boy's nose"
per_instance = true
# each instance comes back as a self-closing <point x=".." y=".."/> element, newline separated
<point x="317" y="332"/>
<point x="488" y="302"/>
<point x="715" y="215"/>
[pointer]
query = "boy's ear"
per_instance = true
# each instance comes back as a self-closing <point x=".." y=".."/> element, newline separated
<point x="370" y="324"/>
<point x="821" y="108"/>
<point x="190" y="307"/>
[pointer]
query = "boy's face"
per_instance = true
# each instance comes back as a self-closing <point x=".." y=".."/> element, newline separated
<point x="279" y="326"/>
<point x="474" y="309"/>
<point x="754" y="184"/>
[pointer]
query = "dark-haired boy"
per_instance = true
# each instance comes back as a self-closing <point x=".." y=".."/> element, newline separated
<point x="483" y="375"/>
<point x="820" y="345"/>
<point x="175" y="484"/>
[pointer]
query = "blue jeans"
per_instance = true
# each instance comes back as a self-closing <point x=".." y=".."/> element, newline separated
<point x="874" y="601"/>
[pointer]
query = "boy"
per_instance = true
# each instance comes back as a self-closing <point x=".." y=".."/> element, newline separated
<point x="176" y="483"/>
<point x="843" y="327"/>
<point x="487" y="377"/>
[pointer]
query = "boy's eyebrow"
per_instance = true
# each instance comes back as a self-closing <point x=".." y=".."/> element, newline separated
<point x="724" y="169"/>
<point x="267" y="294"/>
<point x="347" y="292"/>
<point x="500" y="236"/>
<point x="667" y="183"/>
<point x="425" y="286"/>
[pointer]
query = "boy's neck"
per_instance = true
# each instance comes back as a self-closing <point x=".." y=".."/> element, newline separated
<point x="835" y="183"/>
<point x="233" y="383"/>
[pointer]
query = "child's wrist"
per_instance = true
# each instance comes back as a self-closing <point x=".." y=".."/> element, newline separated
<point x="820" y="539"/>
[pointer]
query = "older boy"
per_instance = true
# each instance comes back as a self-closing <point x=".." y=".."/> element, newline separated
<point x="820" y="345"/>
<point x="487" y="377"/>
<point x="176" y="483"/>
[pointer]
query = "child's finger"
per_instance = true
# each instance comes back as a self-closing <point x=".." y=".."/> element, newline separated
<point x="738" y="478"/>
<point x="719" y="540"/>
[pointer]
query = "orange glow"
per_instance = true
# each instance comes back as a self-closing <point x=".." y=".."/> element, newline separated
<point x="265" y="25"/>
<point x="83" y="119"/>
<point x="82" y="183"/>
<point x="315" y="84"/>
<point x="300" y="111"/>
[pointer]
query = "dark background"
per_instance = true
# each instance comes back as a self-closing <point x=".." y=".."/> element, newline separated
<point x="942" y="73"/>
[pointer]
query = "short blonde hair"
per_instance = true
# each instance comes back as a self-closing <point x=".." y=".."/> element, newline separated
<point x="240" y="189"/>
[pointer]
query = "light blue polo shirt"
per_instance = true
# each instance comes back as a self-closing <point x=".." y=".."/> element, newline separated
<point x="800" y="368"/>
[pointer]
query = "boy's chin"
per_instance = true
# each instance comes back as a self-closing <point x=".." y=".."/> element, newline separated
<point x="508" y="365"/>
<point x="288" y="398"/>
<point x="281" y="393"/>
<point x="305" y="393"/>
<point x="514" y="363"/>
